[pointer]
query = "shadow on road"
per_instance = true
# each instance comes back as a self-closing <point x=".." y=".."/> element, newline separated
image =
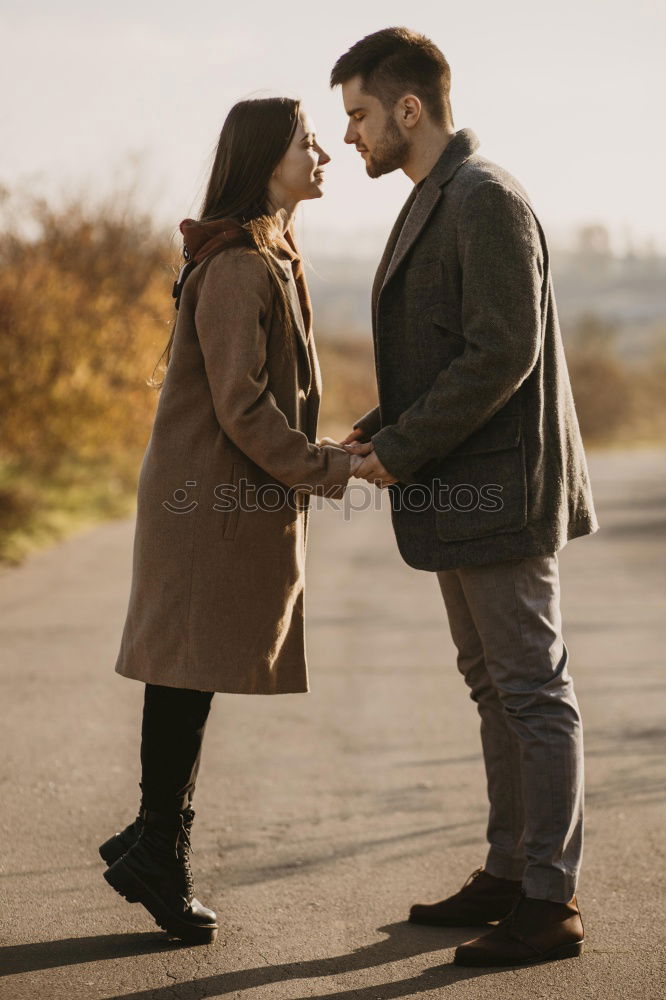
<point x="75" y="951"/>
<point x="403" y="940"/>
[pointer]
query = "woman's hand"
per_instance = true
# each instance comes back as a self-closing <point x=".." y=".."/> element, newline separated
<point x="355" y="460"/>
<point x="356" y="452"/>
<point x="352" y="436"/>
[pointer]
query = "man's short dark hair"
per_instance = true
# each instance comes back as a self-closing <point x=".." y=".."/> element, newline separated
<point x="397" y="61"/>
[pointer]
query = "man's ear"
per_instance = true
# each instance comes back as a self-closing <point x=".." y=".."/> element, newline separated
<point x="409" y="110"/>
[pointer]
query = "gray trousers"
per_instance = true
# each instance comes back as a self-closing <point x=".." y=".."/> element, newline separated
<point x="506" y="623"/>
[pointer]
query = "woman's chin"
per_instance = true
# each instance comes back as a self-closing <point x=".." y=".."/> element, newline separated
<point x="316" y="190"/>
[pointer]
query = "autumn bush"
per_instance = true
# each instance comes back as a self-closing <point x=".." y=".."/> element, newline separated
<point x="85" y="310"/>
<point x="84" y="306"/>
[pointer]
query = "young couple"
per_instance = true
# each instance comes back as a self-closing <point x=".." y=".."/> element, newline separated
<point x="473" y="393"/>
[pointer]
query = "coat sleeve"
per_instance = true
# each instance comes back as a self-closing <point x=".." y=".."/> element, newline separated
<point x="234" y="299"/>
<point x="369" y="423"/>
<point x="501" y="260"/>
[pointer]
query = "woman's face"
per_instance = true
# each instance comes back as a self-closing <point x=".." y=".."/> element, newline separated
<point x="299" y="175"/>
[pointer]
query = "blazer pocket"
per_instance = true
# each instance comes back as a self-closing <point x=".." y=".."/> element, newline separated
<point x="441" y="335"/>
<point x="426" y="276"/>
<point x="447" y="319"/>
<point x="480" y="488"/>
<point x="498" y="434"/>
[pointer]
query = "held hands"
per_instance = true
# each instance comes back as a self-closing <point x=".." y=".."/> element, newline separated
<point x="356" y="460"/>
<point x="369" y="467"/>
<point x="365" y="463"/>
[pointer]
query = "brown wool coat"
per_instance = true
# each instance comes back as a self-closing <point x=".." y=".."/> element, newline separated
<point x="216" y="600"/>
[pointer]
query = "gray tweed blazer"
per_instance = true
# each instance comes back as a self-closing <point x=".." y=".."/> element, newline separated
<point x="476" y="417"/>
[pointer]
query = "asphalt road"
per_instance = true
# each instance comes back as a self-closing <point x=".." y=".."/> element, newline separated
<point x="321" y="817"/>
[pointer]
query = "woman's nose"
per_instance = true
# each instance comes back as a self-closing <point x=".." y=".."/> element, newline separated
<point x="324" y="157"/>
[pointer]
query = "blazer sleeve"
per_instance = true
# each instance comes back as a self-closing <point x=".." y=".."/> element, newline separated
<point x="369" y="423"/>
<point x="502" y="267"/>
<point x="234" y="299"/>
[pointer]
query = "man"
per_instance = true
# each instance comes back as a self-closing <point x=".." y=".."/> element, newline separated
<point x="477" y="439"/>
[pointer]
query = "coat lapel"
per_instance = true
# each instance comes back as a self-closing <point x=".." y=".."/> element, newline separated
<point x="419" y="207"/>
<point x="285" y="269"/>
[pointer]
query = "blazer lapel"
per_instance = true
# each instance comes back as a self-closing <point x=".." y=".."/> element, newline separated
<point x="419" y="207"/>
<point x="422" y="208"/>
<point x="390" y="247"/>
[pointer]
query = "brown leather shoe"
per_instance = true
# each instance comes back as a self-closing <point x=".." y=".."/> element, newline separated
<point x="536" y="930"/>
<point x="483" y="898"/>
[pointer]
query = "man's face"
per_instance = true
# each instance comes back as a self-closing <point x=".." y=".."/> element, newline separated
<point x="373" y="131"/>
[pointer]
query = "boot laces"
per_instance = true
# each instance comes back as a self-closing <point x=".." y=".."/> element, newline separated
<point x="475" y="874"/>
<point x="510" y="918"/>
<point x="183" y="849"/>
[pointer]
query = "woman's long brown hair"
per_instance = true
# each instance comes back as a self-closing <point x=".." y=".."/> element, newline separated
<point x="255" y="136"/>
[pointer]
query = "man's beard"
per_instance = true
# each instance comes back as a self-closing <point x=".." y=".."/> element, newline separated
<point x="390" y="152"/>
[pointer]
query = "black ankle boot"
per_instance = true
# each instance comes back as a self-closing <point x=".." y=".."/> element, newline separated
<point x="156" y="872"/>
<point x="115" y="846"/>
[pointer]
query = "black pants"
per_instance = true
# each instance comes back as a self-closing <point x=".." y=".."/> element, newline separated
<point x="172" y="729"/>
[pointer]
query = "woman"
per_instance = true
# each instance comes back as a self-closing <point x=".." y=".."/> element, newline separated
<point x="216" y="601"/>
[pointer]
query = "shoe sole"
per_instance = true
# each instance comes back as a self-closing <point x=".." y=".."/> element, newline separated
<point x="563" y="951"/>
<point x="452" y="923"/>
<point x="134" y="890"/>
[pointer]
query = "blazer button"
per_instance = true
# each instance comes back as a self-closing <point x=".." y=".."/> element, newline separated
<point x="302" y="394"/>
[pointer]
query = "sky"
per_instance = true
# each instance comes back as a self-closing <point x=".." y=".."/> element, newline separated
<point x="566" y="95"/>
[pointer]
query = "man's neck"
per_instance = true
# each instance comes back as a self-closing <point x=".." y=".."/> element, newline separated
<point x="425" y="154"/>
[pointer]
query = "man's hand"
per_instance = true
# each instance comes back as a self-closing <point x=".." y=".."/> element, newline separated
<point x="358" y="447"/>
<point x="355" y="462"/>
<point x="373" y="471"/>
<point x="370" y="468"/>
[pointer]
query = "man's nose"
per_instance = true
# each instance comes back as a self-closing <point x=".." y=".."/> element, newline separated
<point x="351" y="134"/>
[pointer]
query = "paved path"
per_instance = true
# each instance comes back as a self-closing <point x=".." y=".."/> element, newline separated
<point x="321" y="817"/>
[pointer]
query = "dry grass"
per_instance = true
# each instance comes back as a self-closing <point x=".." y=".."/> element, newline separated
<point x="617" y="403"/>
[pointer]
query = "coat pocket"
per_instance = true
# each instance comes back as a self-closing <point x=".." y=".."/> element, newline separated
<point x="229" y="500"/>
<point x="480" y="488"/>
